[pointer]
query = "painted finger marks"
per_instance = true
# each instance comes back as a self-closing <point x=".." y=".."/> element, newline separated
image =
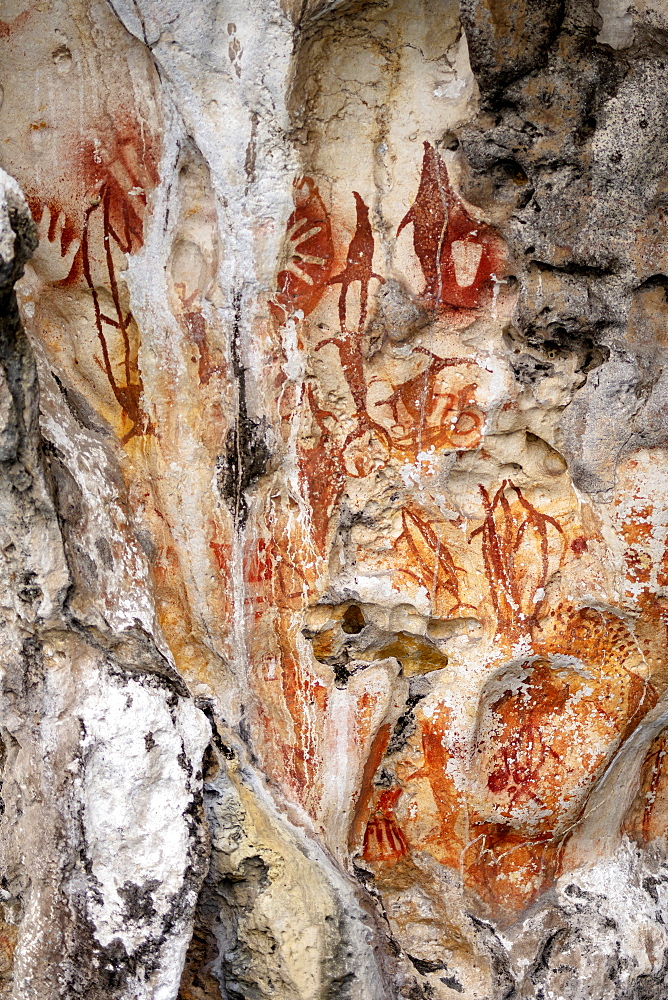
<point x="307" y="253"/>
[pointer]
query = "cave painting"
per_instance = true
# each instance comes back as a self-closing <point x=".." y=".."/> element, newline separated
<point x="426" y="411"/>
<point x="121" y="227"/>
<point x="528" y="788"/>
<point x="307" y="254"/>
<point x="425" y="559"/>
<point x="499" y="801"/>
<point x="460" y="256"/>
<point x="349" y="456"/>
<point x="321" y="470"/>
<point x="647" y="818"/>
<point x="505" y="825"/>
<point x="495" y="798"/>
<point x="521" y="791"/>
<point x="103" y="217"/>
<point x="508" y="534"/>
<point x="426" y="405"/>
<point x="383" y="840"/>
<point x="430" y="412"/>
<point x="359" y="265"/>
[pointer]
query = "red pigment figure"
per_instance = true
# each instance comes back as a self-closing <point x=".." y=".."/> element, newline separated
<point x="359" y="265"/>
<point x="115" y="169"/>
<point x="120" y="184"/>
<point x="306" y="259"/>
<point x="383" y="839"/>
<point x="433" y="565"/>
<point x="500" y="544"/>
<point x="326" y="455"/>
<point x="419" y="397"/>
<point x="457" y="253"/>
<point x="358" y="268"/>
<point x="520" y="762"/>
<point x="321" y="472"/>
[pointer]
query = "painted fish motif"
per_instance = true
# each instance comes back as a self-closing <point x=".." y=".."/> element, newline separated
<point x="459" y="255"/>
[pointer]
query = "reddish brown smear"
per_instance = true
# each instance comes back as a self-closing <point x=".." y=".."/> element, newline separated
<point x="656" y="770"/>
<point x="646" y="819"/>
<point x="321" y="472"/>
<point x="279" y="581"/>
<point x="440" y="220"/>
<point x="359" y="265"/>
<point x="507" y="870"/>
<point x="260" y="563"/>
<point x="222" y="553"/>
<point x="195" y="325"/>
<point x="7" y="27"/>
<point x="301" y="691"/>
<point x="308" y="254"/>
<point x="448" y="799"/>
<point x="366" y="792"/>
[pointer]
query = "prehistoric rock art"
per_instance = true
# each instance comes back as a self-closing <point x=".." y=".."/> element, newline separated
<point x="304" y="268"/>
<point x="458" y="254"/>
<point x="333" y="482"/>
<point x="359" y="266"/>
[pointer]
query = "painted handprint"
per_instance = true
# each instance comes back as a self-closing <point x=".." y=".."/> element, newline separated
<point x="54" y="257"/>
<point x="306" y="256"/>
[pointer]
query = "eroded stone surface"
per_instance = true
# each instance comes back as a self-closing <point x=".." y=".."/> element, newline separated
<point x="334" y="499"/>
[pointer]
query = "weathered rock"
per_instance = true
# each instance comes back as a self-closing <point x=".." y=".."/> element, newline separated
<point x="333" y="481"/>
<point x="102" y="827"/>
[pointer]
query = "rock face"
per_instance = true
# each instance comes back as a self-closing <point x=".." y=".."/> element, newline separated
<point x="334" y="499"/>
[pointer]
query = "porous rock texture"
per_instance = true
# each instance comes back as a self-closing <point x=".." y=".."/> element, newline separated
<point x="334" y="499"/>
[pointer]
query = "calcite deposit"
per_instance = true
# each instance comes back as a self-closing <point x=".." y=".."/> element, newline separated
<point x="334" y="499"/>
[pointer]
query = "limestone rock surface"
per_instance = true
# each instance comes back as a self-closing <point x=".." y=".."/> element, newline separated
<point x="334" y="499"/>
